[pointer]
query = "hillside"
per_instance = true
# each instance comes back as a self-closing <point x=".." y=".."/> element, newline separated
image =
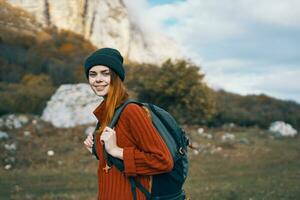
<point x="36" y="60"/>
<point x="103" y="23"/>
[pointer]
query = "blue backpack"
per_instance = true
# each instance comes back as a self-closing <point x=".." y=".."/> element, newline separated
<point x="165" y="186"/>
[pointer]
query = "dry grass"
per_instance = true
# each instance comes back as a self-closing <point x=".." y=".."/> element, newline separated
<point x="266" y="168"/>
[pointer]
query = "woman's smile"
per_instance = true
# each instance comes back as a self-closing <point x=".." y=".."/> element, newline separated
<point x="100" y="87"/>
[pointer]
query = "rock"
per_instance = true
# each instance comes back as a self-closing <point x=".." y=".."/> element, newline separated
<point x="228" y="137"/>
<point x="228" y="125"/>
<point x="10" y="147"/>
<point x="244" y="141"/>
<point x="10" y="160"/>
<point x="195" y="152"/>
<point x="200" y="131"/>
<point x="7" y="167"/>
<point x="215" y="150"/>
<point x="71" y="105"/>
<point x="3" y="135"/>
<point x="50" y="153"/>
<point x="13" y="121"/>
<point x="27" y="133"/>
<point x="104" y="23"/>
<point x="280" y="128"/>
<point x="203" y="134"/>
<point x="206" y="135"/>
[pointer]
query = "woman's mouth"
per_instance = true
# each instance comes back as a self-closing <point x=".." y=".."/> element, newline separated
<point x="100" y="87"/>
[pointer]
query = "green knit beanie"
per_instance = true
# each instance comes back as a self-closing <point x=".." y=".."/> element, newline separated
<point x="108" y="57"/>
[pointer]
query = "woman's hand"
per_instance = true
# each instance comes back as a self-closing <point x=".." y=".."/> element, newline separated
<point x="88" y="142"/>
<point x="109" y="138"/>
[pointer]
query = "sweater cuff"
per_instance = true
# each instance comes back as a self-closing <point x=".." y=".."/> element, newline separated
<point x="129" y="162"/>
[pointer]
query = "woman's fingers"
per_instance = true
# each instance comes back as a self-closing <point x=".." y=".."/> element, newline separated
<point x="89" y="140"/>
<point x="107" y="134"/>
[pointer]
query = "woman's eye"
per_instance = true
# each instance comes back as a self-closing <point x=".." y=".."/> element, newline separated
<point x="106" y="73"/>
<point x="92" y="75"/>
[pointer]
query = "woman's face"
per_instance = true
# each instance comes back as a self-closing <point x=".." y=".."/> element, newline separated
<point x="99" y="79"/>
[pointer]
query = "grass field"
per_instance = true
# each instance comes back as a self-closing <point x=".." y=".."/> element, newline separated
<point x="263" y="168"/>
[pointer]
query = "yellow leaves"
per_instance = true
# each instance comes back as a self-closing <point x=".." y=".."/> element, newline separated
<point x="34" y="80"/>
<point x="66" y="48"/>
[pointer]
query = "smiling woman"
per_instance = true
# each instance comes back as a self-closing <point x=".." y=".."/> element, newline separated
<point x="133" y="139"/>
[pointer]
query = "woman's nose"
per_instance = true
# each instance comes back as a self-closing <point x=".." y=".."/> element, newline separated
<point x="99" y="78"/>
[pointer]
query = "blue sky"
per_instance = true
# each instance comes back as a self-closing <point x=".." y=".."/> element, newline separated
<point x="245" y="46"/>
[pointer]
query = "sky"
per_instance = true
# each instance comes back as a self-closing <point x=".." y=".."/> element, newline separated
<point x="242" y="46"/>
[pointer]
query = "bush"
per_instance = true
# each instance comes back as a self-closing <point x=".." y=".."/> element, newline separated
<point x="177" y="87"/>
<point x="30" y="96"/>
<point x="254" y="110"/>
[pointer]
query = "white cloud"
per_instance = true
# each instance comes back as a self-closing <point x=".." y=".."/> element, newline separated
<point x="277" y="12"/>
<point x="206" y="31"/>
<point x="277" y="81"/>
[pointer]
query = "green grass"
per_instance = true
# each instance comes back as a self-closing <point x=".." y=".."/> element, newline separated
<point x="264" y="169"/>
<point x="48" y="184"/>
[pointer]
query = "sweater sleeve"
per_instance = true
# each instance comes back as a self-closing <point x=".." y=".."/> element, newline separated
<point x="150" y="155"/>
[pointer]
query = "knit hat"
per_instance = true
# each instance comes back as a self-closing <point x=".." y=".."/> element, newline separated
<point x="108" y="57"/>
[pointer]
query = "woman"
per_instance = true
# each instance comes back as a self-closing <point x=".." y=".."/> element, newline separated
<point x="134" y="139"/>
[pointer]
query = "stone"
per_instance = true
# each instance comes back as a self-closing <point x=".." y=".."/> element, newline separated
<point x="50" y="153"/>
<point x="280" y="128"/>
<point x="228" y="137"/>
<point x="200" y="131"/>
<point x="10" y="147"/>
<point x="13" y="121"/>
<point x="7" y="167"/>
<point x="10" y="160"/>
<point x="3" y="135"/>
<point x="195" y="152"/>
<point x="244" y="141"/>
<point x="27" y="133"/>
<point x="71" y="105"/>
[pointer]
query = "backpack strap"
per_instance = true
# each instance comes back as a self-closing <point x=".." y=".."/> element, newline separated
<point x="112" y="124"/>
<point x="119" y="110"/>
<point x="94" y="152"/>
<point x="135" y="184"/>
<point x="118" y="163"/>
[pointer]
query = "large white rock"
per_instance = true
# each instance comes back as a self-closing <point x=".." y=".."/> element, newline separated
<point x="282" y="128"/>
<point x="71" y="105"/>
<point x="105" y="23"/>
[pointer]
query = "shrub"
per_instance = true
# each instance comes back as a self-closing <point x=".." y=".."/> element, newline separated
<point x="176" y="86"/>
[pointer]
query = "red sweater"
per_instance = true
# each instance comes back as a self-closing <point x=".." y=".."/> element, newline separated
<point x="144" y="154"/>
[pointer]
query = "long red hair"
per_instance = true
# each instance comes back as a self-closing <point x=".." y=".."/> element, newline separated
<point x="116" y="95"/>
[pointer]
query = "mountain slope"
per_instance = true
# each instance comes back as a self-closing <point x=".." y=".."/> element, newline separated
<point x="104" y="23"/>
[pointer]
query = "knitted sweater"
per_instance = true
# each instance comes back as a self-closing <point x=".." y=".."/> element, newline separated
<point x="144" y="154"/>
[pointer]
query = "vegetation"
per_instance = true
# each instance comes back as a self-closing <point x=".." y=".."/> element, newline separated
<point x="265" y="168"/>
<point x="177" y="87"/>
<point x="254" y="110"/>
<point x="35" y="61"/>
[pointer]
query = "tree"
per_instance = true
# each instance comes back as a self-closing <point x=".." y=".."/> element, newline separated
<point x="177" y="87"/>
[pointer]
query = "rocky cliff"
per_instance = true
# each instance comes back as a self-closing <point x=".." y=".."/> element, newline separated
<point x="104" y="23"/>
